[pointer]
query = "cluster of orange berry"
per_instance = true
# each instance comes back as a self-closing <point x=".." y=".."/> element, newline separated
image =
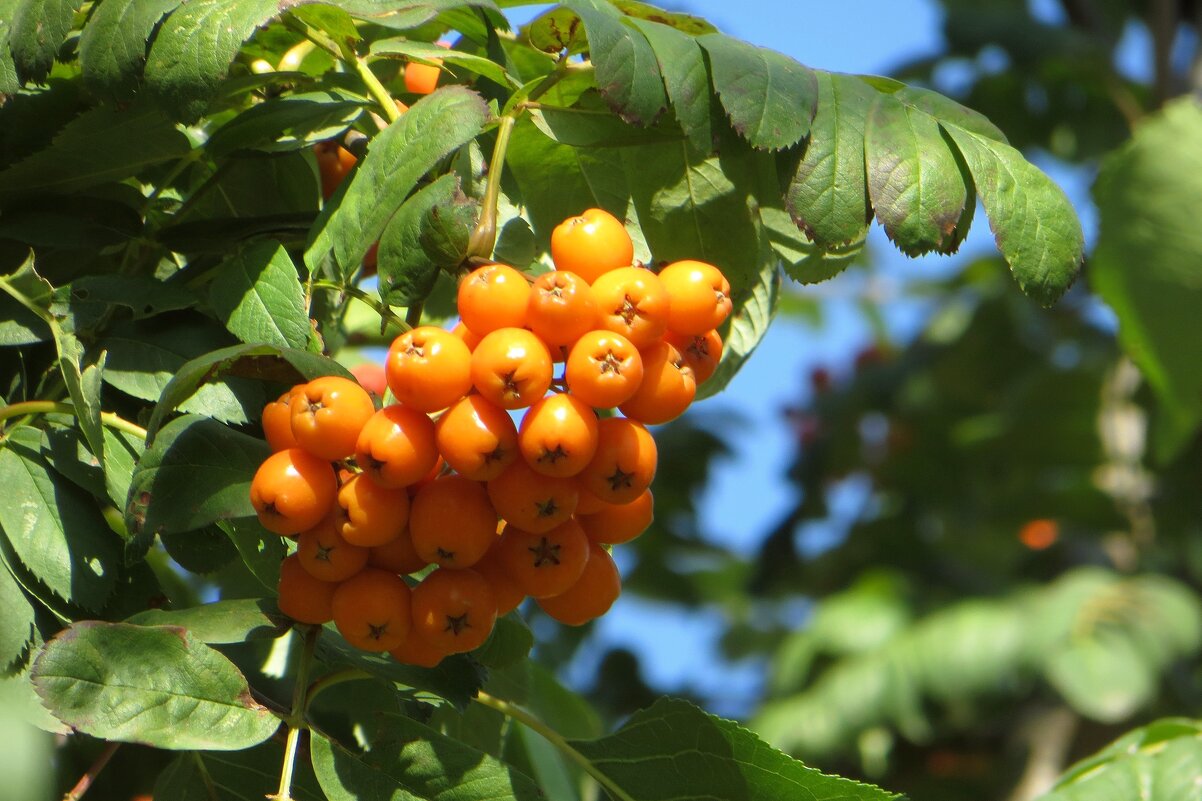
<point x="445" y="477"/>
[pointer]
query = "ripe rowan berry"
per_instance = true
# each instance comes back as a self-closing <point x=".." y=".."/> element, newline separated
<point x="422" y="79"/>
<point x="532" y="501"/>
<point x="292" y="491"/>
<point x="561" y="310"/>
<point x="327" y="415"/>
<point x="398" y="556"/>
<point x="303" y="598"/>
<point x="604" y="369"/>
<point x="590" y="244"/>
<point x="632" y="302"/>
<point x="511" y="368"/>
<point x="463" y="332"/>
<point x="507" y="594"/>
<point x="545" y="564"/>
<point x="452" y="522"/>
<point x="428" y="369"/>
<point x="588" y="503"/>
<point x="333" y="163"/>
<point x="373" y="610"/>
<point x="454" y="610"/>
<point x="698" y="295"/>
<point x="592" y="595"/>
<point x="396" y="446"/>
<point x="702" y="352"/>
<point x="477" y="439"/>
<point x="491" y="297"/>
<point x="277" y="423"/>
<point x="326" y="555"/>
<point x="416" y="650"/>
<point x="372" y="515"/>
<point x="558" y="436"/>
<point x="614" y="524"/>
<point x="371" y="377"/>
<point x="624" y="464"/>
<point x="668" y="386"/>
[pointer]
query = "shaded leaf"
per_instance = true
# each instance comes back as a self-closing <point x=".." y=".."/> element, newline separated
<point x="112" y="47"/>
<point x="406" y="273"/>
<point x="248" y="775"/>
<point x="754" y="309"/>
<point x="510" y="642"/>
<point x="257" y="294"/>
<point x="16" y="624"/>
<point x="686" y="79"/>
<point x="627" y="71"/>
<point x="446" y="230"/>
<point x="425" y="52"/>
<point x="291" y="122"/>
<point x="229" y="621"/>
<point x="38" y="28"/>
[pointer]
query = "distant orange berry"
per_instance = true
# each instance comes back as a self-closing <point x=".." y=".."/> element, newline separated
<point x="371" y="377"/>
<point x="333" y="163"/>
<point x="592" y="595"/>
<point x="1039" y="534"/>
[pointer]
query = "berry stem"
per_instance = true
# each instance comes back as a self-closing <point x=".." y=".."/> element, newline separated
<point x="556" y="739"/>
<point x="484" y="237"/>
<point x="110" y="419"/>
<point x="330" y="679"/>
<point x="85" y="781"/>
<point x="296" y="719"/>
<point x="387" y="316"/>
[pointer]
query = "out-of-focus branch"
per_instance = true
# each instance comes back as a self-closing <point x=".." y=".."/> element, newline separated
<point x="1048" y="736"/>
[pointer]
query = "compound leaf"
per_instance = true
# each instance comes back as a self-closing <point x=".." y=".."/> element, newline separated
<point x="257" y="294"/>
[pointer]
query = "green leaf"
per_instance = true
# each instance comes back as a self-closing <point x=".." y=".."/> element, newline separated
<point x="828" y="194"/>
<point x="587" y="127"/>
<point x="682" y="63"/>
<point x="101" y="145"/>
<point x="38" y="28"/>
<point x="205" y="550"/>
<point x="84" y="389"/>
<point x="945" y="109"/>
<point x="754" y="309"/>
<point x="221" y="622"/>
<point x="914" y="180"/>
<point x="9" y="83"/>
<point x="415" y="762"/>
<point x="157" y="686"/>
<point x="16" y="624"/>
<point x="1105" y="677"/>
<point x="446" y="230"/>
<point x="428" y="53"/>
<point x="1158" y="762"/>
<point x="1032" y="220"/>
<point x="260" y="362"/>
<point x="675" y="750"/>
<point x="87" y="301"/>
<point x="196" y="473"/>
<point x="112" y="47"/>
<point x="53" y="527"/>
<point x="19" y="325"/>
<point x="258" y="295"/>
<point x="510" y="642"/>
<point x="287" y="123"/>
<point x="769" y="97"/>
<point x="194" y="48"/>
<point x="395" y="160"/>
<point x="261" y="550"/>
<point x="627" y="70"/>
<point x="1148" y="263"/>
<point x="249" y="775"/>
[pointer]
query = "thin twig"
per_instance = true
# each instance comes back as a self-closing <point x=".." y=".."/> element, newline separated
<point x="86" y="780"/>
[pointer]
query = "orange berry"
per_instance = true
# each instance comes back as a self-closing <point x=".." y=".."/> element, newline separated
<point x="416" y="650"/>
<point x="333" y="163"/>
<point x="452" y="522"/>
<point x="277" y="423"/>
<point x="292" y="491"/>
<point x="428" y="369"/>
<point x="437" y="470"/>
<point x="327" y="415"/>
<point x="545" y="564"/>
<point x="398" y="556"/>
<point x="326" y="555"/>
<point x="507" y="594"/>
<point x="454" y="610"/>
<point x="668" y="386"/>
<point x="632" y="302"/>
<point x="702" y="352"/>
<point x="532" y="501"/>
<point x="604" y="369"/>
<point x="591" y="244"/>
<point x="491" y="297"/>
<point x="477" y="439"/>
<point x="511" y="367"/>
<point x="302" y="597"/>
<point x="561" y="309"/>
<point x="592" y="595"/>
<point x="614" y="524"/>
<point x="463" y="332"/>
<point x="372" y="610"/>
<point x="698" y="294"/>
<point x="625" y="461"/>
<point x="589" y="504"/>
<point x="558" y="436"/>
<point x="396" y="447"/>
<point x="422" y="79"/>
<point x="371" y="377"/>
<point x="1039" y="534"/>
<point x="372" y="515"/>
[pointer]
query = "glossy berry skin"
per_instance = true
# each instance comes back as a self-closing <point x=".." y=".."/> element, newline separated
<point x="326" y="555"/>
<point x="546" y="564"/>
<point x="511" y="368"/>
<point x="333" y="163"/>
<point x="396" y="447"/>
<point x="398" y="556"/>
<point x="561" y="310"/>
<point x="372" y="515"/>
<point x="702" y="352"/>
<point x="614" y="524"/>
<point x="477" y="438"/>
<point x="505" y="592"/>
<point x="292" y="491"/>
<point x="454" y="610"/>
<point x="624" y="464"/>
<point x="277" y="423"/>
<point x="632" y="302"/>
<point x="452" y="522"/>
<point x="491" y="297"/>
<point x="531" y="501"/>
<point x="668" y="386"/>
<point x="428" y="369"/>
<point x="604" y="369"/>
<point x="371" y="377"/>
<point x="591" y="244"/>
<point x="373" y="610"/>
<point x="416" y="651"/>
<point x="558" y="436"/>
<point x="327" y="415"/>
<point x="591" y="596"/>
<point x="302" y="597"/>
<point x="699" y="296"/>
